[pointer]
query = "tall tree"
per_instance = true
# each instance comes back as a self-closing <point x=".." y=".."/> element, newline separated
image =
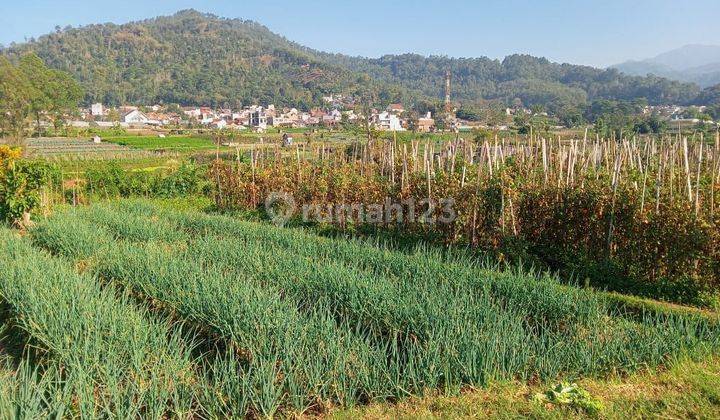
<point x="55" y="93"/>
<point x="38" y="76"/>
<point x="64" y="94"/>
<point x="16" y="102"/>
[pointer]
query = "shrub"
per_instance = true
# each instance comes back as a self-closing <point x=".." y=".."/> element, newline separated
<point x="20" y="184"/>
<point x="112" y="181"/>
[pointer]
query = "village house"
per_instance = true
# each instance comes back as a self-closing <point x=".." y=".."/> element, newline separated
<point x="207" y="115"/>
<point x="134" y="116"/>
<point x="317" y="113"/>
<point x="426" y="124"/>
<point x="218" y="123"/>
<point x="337" y="115"/>
<point x="162" y="119"/>
<point x="351" y="115"/>
<point x="288" y="118"/>
<point x="97" y="110"/>
<point x="192" y="112"/>
<point x="329" y="120"/>
<point x="386" y="121"/>
<point x="258" y="119"/>
<point x="293" y="114"/>
<point x="280" y="121"/>
<point x="396" y="109"/>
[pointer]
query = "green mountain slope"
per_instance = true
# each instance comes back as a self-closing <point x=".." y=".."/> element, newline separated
<point x="195" y="58"/>
<point x="528" y="79"/>
<point x="188" y="58"/>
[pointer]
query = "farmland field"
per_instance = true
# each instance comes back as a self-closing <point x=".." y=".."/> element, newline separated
<point x="219" y="317"/>
<point x="58" y="148"/>
<point x="170" y="143"/>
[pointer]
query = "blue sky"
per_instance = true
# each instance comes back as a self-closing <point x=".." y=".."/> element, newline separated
<point x="590" y="32"/>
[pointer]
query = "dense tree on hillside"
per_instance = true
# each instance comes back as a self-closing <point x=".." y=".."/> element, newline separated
<point x="710" y="96"/>
<point x="469" y="114"/>
<point x="30" y="91"/>
<point x="615" y="117"/>
<point x="189" y="58"/>
<point x="200" y="59"/>
<point x="714" y="111"/>
<point x="531" y="80"/>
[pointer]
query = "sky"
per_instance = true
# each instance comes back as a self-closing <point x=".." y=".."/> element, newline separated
<point x="592" y="32"/>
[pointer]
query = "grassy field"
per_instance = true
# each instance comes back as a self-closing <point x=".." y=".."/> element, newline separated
<point x="269" y="321"/>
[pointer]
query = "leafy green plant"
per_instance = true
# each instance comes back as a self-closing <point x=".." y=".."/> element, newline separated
<point x="20" y="184"/>
<point x="571" y="395"/>
<point x="112" y="181"/>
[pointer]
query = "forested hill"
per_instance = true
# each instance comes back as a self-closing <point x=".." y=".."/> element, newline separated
<point x="195" y="58"/>
<point x="188" y="58"/>
<point x="530" y="80"/>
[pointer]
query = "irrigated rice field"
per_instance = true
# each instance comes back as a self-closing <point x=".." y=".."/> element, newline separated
<point x="147" y="312"/>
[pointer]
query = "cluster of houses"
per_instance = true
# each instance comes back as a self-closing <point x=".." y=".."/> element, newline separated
<point x="680" y="116"/>
<point x="254" y="117"/>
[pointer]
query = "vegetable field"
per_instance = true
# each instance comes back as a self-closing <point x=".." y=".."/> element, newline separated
<point x="170" y="143"/>
<point x="634" y="215"/>
<point x="127" y="309"/>
<point x="65" y="148"/>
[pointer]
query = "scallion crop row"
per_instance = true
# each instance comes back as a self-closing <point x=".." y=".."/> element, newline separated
<point x="113" y="359"/>
<point x="437" y="329"/>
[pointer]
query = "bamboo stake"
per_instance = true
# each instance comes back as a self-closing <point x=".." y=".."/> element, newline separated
<point x="697" y="181"/>
<point x="658" y="184"/>
<point x="545" y="160"/>
<point x="687" y="169"/>
<point x="427" y="172"/>
<point x="714" y="181"/>
<point x="616" y="178"/>
<point x="644" y="185"/>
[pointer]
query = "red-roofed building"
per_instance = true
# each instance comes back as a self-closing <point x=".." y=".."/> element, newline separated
<point x="396" y="108"/>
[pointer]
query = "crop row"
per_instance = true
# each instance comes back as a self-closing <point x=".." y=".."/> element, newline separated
<point x="97" y="352"/>
<point x="283" y="358"/>
<point x="399" y="323"/>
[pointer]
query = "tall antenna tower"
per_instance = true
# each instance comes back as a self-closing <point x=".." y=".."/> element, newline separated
<point x="448" y="106"/>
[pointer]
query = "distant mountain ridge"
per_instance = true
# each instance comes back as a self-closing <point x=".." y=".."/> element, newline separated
<point x="201" y="59"/>
<point x="698" y="64"/>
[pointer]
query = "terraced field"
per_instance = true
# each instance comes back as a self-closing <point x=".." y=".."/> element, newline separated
<point x="145" y="311"/>
<point x="56" y="148"/>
